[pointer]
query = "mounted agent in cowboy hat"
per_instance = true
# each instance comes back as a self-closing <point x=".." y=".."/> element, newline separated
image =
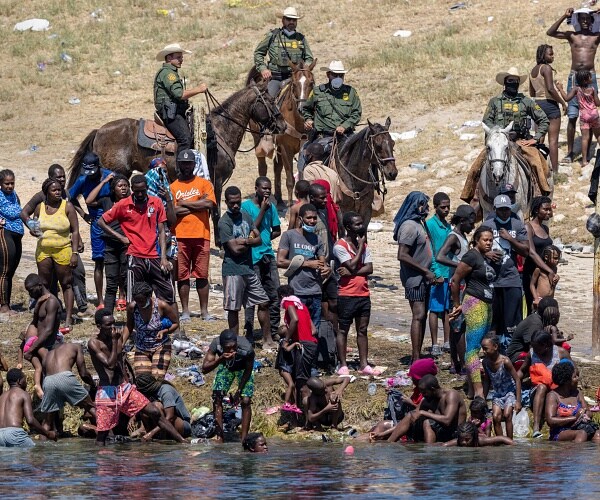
<point x="332" y="109"/>
<point x="511" y="106"/>
<point x="283" y="45"/>
<point x="171" y="97"/>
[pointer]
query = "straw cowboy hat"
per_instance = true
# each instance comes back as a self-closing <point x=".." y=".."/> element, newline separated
<point x="172" y="48"/>
<point x="290" y="13"/>
<point x="511" y="72"/>
<point x="335" y="67"/>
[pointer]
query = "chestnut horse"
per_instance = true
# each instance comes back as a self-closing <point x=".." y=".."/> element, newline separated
<point x="290" y="102"/>
<point x="117" y="146"/>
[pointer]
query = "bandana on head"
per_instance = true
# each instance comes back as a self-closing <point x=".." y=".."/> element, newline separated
<point x="409" y="210"/>
<point x="332" y="208"/>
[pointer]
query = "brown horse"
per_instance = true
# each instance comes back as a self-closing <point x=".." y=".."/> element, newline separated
<point x="363" y="162"/>
<point x="290" y="101"/>
<point x="117" y="146"/>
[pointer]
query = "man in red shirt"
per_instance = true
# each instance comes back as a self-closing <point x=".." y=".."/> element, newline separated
<point x="143" y="220"/>
<point x="354" y="300"/>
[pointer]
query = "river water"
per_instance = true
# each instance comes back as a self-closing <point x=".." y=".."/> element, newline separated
<point x="77" y="469"/>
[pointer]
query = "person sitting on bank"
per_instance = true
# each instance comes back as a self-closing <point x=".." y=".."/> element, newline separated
<point x="283" y="46"/>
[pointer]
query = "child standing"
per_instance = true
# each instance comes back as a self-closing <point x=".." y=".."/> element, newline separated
<point x="301" y="192"/>
<point x="588" y="111"/>
<point x="298" y="349"/>
<point x="499" y="372"/>
<point x="541" y="285"/>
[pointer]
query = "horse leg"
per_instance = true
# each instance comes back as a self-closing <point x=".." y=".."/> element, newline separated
<point x="289" y="173"/>
<point x="262" y="166"/>
<point x="277" y="167"/>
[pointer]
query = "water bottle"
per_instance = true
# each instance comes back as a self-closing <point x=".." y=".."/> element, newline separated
<point x="372" y="389"/>
<point x="34" y="227"/>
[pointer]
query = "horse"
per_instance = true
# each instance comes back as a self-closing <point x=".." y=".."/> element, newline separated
<point x="290" y="102"/>
<point x="363" y="162"/>
<point x="502" y="166"/>
<point x="117" y="146"/>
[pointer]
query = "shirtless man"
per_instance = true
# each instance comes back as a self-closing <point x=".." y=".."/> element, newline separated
<point x="3" y="368"/>
<point x="584" y="44"/>
<point x="115" y="394"/>
<point x="324" y="404"/>
<point x="438" y="416"/>
<point x="14" y="405"/>
<point x="46" y="317"/>
<point x="61" y="386"/>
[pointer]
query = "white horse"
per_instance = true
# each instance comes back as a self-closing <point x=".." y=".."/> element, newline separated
<point x="502" y="167"/>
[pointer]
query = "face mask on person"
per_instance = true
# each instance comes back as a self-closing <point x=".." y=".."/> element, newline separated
<point x="337" y="82"/>
<point x="511" y="88"/>
<point x="288" y="32"/>
<point x="309" y="229"/>
<point x="502" y="221"/>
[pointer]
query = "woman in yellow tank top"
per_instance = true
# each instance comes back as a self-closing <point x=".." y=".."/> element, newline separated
<point x="543" y="90"/>
<point x="57" y="246"/>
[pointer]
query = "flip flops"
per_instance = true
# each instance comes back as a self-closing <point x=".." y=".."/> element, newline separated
<point x="370" y="371"/>
<point x="291" y="407"/>
<point x="343" y="370"/>
<point x="272" y="410"/>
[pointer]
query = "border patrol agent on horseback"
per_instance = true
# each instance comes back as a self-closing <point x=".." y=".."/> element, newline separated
<point x="332" y="109"/>
<point x="171" y="97"/>
<point x="283" y="45"/>
<point x="513" y="106"/>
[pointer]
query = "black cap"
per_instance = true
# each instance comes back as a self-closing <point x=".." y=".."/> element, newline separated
<point x="90" y="163"/>
<point x="186" y="155"/>
<point x="507" y="188"/>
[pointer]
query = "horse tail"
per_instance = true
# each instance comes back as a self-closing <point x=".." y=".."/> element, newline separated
<point x="75" y="166"/>
<point x="254" y="76"/>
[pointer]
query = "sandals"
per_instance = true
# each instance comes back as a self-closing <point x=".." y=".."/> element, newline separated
<point x="291" y="407"/>
<point x="370" y="371"/>
<point x="343" y="370"/>
<point x="537" y="435"/>
<point x="65" y="329"/>
<point x="121" y="305"/>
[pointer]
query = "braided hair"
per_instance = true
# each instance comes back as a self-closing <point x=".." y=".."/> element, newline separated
<point x="141" y="288"/>
<point x="46" y="185"/>
<point x="540" y="54"/>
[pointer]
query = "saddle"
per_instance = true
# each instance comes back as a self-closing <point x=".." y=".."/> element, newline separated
<point x="152" y="134"/>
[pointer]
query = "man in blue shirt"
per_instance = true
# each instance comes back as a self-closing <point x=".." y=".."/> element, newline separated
<point x="92" y="174"/>
<point x="266" y="219"/>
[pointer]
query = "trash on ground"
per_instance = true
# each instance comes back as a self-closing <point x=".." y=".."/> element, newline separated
<point x="97" y="15"/>
<point x="404" y="136"/>
<point x="33" y="25"/>
<point x="192" y="374"/>
<point x="472" y="123"/>
<point x="403" y="33"/>
<point x="66" y="57"/>
<point x="461" y="5"/>
<point x="418" y="166"/>
<point x="33" y="148"/>
<point x="374" y="227"/>
<point x="74" y="100"/>
<point x="490" y="19"/>
<point x="468" y="137"/>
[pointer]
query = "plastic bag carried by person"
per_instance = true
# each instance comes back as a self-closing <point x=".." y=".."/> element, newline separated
<point x="521" y="424"/>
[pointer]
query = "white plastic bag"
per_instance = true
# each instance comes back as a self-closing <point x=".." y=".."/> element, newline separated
<point x="521" y="423"/>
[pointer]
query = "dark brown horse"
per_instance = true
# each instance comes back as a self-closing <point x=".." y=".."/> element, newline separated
<point x="290" y="102"/>
<point x="361" y="162"/>
<point x="117" y="146"/>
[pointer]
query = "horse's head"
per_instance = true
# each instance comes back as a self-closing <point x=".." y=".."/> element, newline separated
<point x="265" y="112"/>
<point x="302" y="82"/>
<point x="382" y="147"/>
<point x="497" y="146"/>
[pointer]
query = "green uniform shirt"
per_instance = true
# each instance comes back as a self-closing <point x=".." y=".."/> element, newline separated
<point x="167" y="86"/>
<point x="503" y="109"/>
<point x="330" y="108"/>
<point x="281" y="50"/>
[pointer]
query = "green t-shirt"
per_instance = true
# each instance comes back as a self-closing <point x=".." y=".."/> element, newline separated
<point x="438" y="232"/>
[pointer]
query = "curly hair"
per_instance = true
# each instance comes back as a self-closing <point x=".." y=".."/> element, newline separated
<point x="562" y="373"/>
<point x="540" y="54"/>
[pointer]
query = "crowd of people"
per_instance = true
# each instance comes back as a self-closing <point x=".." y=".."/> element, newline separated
<point x="492" y="292"/>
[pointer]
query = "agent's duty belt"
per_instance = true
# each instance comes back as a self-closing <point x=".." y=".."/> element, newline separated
<point x="280" y="75"/>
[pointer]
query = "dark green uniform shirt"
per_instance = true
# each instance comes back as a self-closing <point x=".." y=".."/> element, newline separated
<point x="503" y="109"/>
<point x="330" y="108"/>
<point x="168" y="86"/>
<point x="281" y="50"/>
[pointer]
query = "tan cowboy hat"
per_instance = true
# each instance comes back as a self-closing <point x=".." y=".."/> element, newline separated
<point x="290" y="13"/>
<point x="511" y="72"/>
<point x="172" y="48"/>
<point x="335" y="67"/>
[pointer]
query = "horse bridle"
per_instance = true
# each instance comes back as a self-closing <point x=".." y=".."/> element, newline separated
<point x="303" y="70"/>
<point x="504" y="161"/>
<point x="380" y="161"/>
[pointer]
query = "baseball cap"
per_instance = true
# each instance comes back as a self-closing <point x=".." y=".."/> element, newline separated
<point x="464" y="211"/>
<point x="502" y="201"/>
<point x="507" y="188"/>
<point x="186" y="155"/>
<point x="90" y="164"/>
